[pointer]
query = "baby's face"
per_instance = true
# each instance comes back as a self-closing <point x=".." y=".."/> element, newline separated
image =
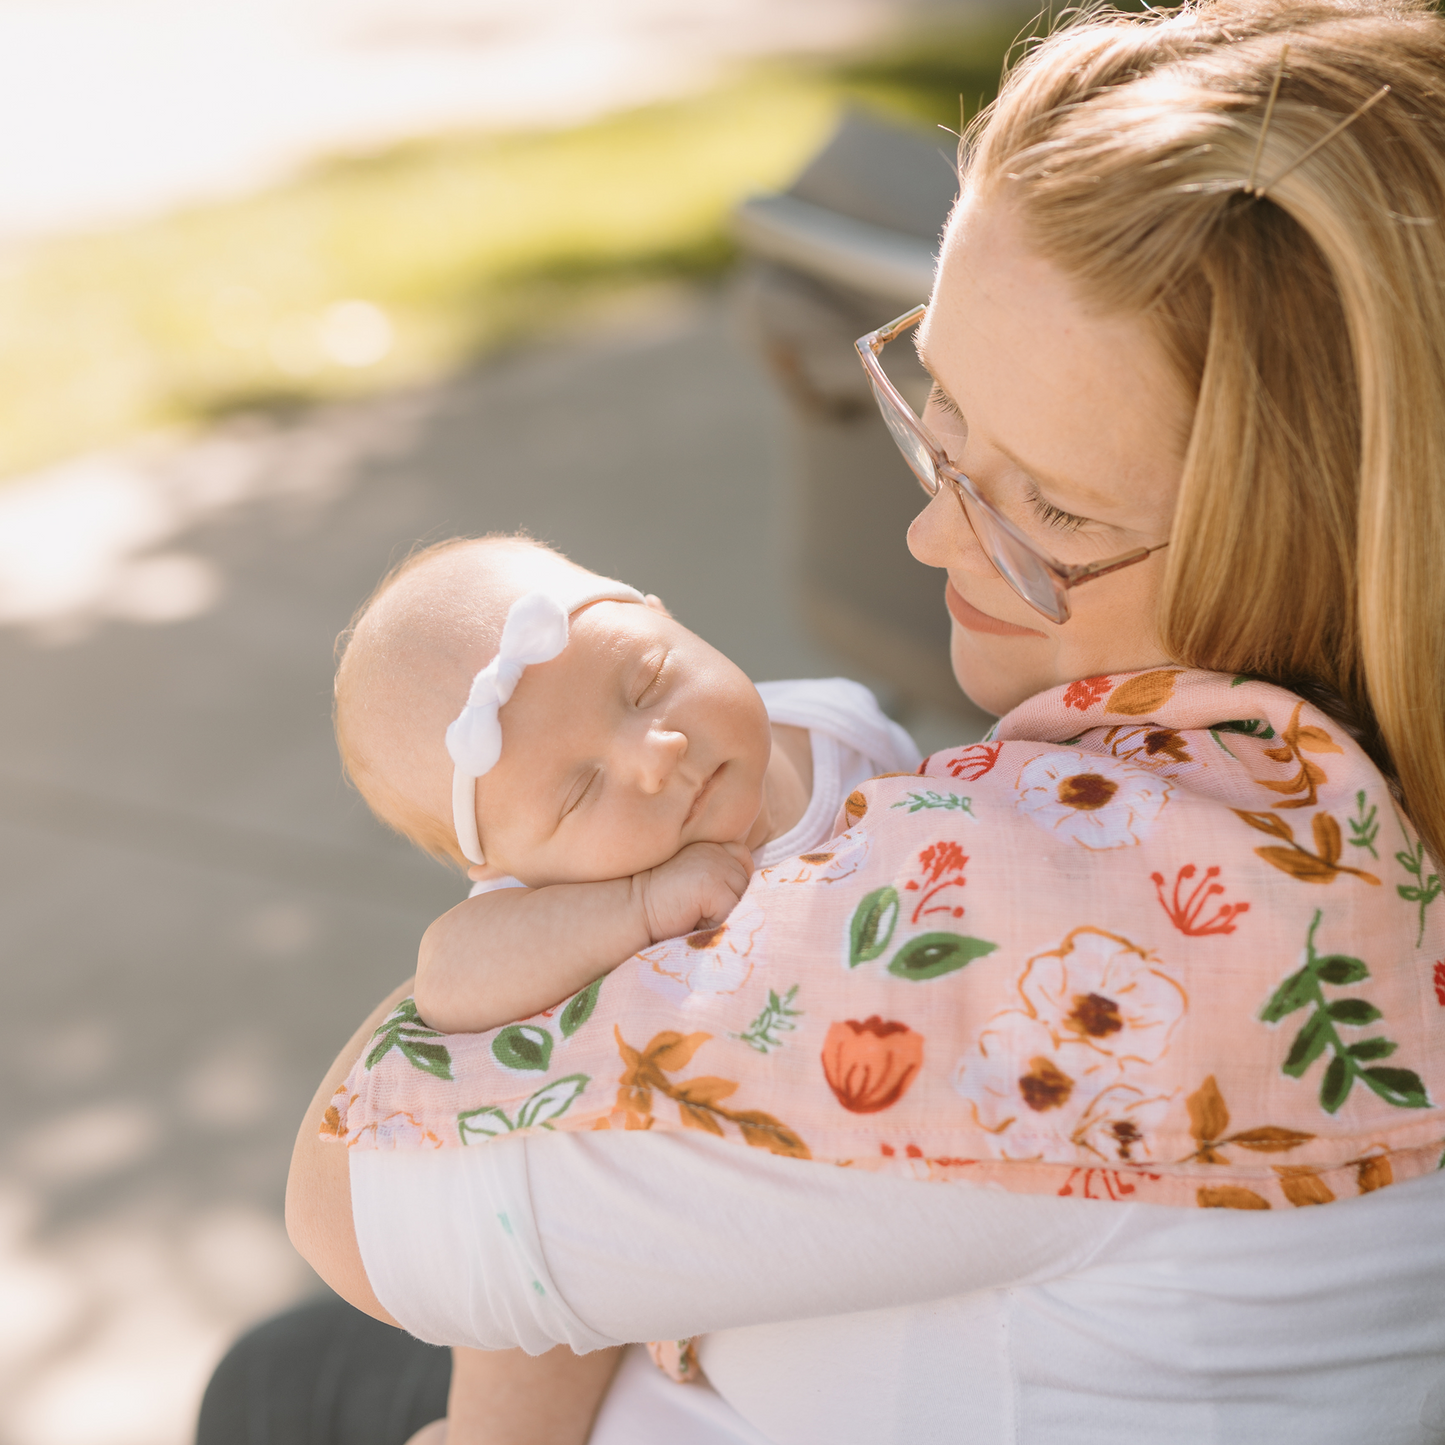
<point x="636" y="740"/>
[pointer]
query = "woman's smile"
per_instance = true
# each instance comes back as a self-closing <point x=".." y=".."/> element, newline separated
<point x="967" y="615"/>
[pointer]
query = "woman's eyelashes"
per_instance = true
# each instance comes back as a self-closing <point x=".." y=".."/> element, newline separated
<point x="1053" y="516"/>
<point x="941" y="399"/>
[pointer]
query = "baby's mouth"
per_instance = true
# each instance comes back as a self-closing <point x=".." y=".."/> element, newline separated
<point x="703" y="794"/>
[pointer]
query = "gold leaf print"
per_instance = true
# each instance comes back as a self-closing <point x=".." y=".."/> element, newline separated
<point x="1302" y="1186"/>
<point x="1373" y="1172"/>
<point x="1143" y="693"/>
<point x="1229" y="1196"/>
<point x="1208" y="1116"/>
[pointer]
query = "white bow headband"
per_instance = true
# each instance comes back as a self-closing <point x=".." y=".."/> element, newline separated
<point x="535" y="631"/>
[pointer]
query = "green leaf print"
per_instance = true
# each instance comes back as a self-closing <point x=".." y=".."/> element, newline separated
<point x="551" y="1101"/>
<point x="1402" y="1087"/>
<point x="931" y="955"/>
<point x="579" y="1008"/>
<point x="523" y="1046"/>
<point x="949" y="802"/>
<point x="1254" y="727"/>
<point x="872" y="927"/>
<point x="1372" y="1049"/>
<point x="777" y="1017"/>
<point x="403" y="1029"/>
<point x="1339" y="969"/>
<point x="1364" y="827"/>
<point x="1426" y="887"/>
<point x="1320" y="1032"/>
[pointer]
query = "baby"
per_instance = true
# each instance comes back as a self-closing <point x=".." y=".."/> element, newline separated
<point x="608" y="778"/>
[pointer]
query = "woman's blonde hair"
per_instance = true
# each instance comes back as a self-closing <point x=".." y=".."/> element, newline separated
<point x="1308" y="544"/>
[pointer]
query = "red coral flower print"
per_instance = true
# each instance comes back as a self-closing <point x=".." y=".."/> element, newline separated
<point x="1440" y="982"/>
<point x="943" y="864"/>
<point x="1086" y="692"/>
<point x="974" y="761"/>
<point x="1186" y="913"/>
<point x="869" y="1065"/>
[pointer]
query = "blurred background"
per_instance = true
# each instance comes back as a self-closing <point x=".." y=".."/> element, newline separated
<point x="285" y="287"/>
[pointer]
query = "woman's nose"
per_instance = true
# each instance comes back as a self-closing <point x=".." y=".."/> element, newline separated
<point x="942" y="536"/>
<point x="662" y="750"/>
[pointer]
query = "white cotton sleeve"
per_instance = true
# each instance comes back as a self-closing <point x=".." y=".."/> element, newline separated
<point x="449" y="1242"/>
<point x="603" y="1238"/>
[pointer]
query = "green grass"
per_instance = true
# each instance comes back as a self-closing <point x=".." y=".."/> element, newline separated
<point x="457" y="245"/>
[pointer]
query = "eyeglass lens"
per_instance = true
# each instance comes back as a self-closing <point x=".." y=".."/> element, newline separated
<point x="1019" y="566"/>
<point x="915" y="453"/>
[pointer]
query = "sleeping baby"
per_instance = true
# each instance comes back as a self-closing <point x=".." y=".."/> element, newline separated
<point x="609" y="779"/>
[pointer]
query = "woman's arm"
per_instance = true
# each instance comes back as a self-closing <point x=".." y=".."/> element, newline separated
<point x="596" y="1239"/>
<point x="318" y="1188"/>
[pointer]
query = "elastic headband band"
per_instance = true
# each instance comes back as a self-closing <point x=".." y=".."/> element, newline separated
<point x="535" y="631"/>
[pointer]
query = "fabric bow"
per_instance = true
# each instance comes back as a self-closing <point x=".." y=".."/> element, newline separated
<point x="535" y="631"/>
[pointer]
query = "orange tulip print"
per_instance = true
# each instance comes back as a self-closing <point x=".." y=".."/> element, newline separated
<point x="870" y="1065"/>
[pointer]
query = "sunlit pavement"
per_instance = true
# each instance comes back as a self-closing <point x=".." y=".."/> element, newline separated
<point x="197" y="912"/>
<point x="112" y="109"/>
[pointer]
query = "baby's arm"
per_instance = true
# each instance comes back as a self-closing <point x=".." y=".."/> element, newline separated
<point x="511" y="953"/>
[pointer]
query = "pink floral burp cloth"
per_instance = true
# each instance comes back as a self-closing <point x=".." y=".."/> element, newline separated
<point x="1163" y="937"/>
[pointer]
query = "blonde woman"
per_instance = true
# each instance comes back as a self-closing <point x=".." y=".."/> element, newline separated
<point x="1188" y="340"/>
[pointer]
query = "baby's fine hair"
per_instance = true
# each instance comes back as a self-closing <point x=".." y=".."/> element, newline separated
<point x="396" y="644"/>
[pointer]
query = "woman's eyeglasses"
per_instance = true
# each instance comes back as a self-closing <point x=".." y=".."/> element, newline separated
<point x="1041" y="581"/>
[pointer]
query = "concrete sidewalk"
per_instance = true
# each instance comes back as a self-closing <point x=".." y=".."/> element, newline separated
<point x="197" y="912"/>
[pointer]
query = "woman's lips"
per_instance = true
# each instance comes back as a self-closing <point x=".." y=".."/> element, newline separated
<point x="967" y="615"/>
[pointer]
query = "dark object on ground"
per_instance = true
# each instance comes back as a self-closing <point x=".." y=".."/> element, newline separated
<point x="847" y="248"/>
<point x="324" y="1374"/>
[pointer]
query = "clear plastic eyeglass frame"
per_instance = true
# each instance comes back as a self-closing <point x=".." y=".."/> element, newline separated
<point x="1041" y="581"/>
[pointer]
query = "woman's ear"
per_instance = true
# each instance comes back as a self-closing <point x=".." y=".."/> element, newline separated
<point x="657" y="604"/>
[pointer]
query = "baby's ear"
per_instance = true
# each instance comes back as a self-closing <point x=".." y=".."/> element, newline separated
<point x="483" y="872"/>
<point x="657" y="604"/>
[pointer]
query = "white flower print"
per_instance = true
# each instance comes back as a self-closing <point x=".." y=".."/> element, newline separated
<point x="1094" y="801"/>
<point x="711" y="961"/>
<point x="1036" y="1102"/>
<point x="1068" y="1076"/>
<point x="830" y="862"/>
<point x="1102" y="994"/>
<point x="397" y="1131"/>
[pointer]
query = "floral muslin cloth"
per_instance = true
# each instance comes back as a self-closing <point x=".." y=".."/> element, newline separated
<point x="1162" y="937"/>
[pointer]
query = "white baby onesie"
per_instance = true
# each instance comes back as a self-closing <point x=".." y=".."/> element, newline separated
<point x="852" y="740"/>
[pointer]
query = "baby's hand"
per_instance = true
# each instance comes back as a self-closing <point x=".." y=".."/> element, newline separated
<point x="696" y="888"/>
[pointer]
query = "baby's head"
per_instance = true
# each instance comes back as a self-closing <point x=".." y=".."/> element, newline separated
<point x="635" y="740"/>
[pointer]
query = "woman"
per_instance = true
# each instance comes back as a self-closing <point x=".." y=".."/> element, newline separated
<point x="1202" y="258"/>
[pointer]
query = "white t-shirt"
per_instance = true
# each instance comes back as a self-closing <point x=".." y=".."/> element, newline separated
<point x="852" y="740"/>
<point x="841" y="1308"/>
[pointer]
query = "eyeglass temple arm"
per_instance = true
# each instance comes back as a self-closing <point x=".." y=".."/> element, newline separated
<point x="880" y="338"/>
<point x="1089" y="571"/>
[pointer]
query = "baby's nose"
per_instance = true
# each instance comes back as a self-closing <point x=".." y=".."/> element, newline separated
<point x="661" y="753"/>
